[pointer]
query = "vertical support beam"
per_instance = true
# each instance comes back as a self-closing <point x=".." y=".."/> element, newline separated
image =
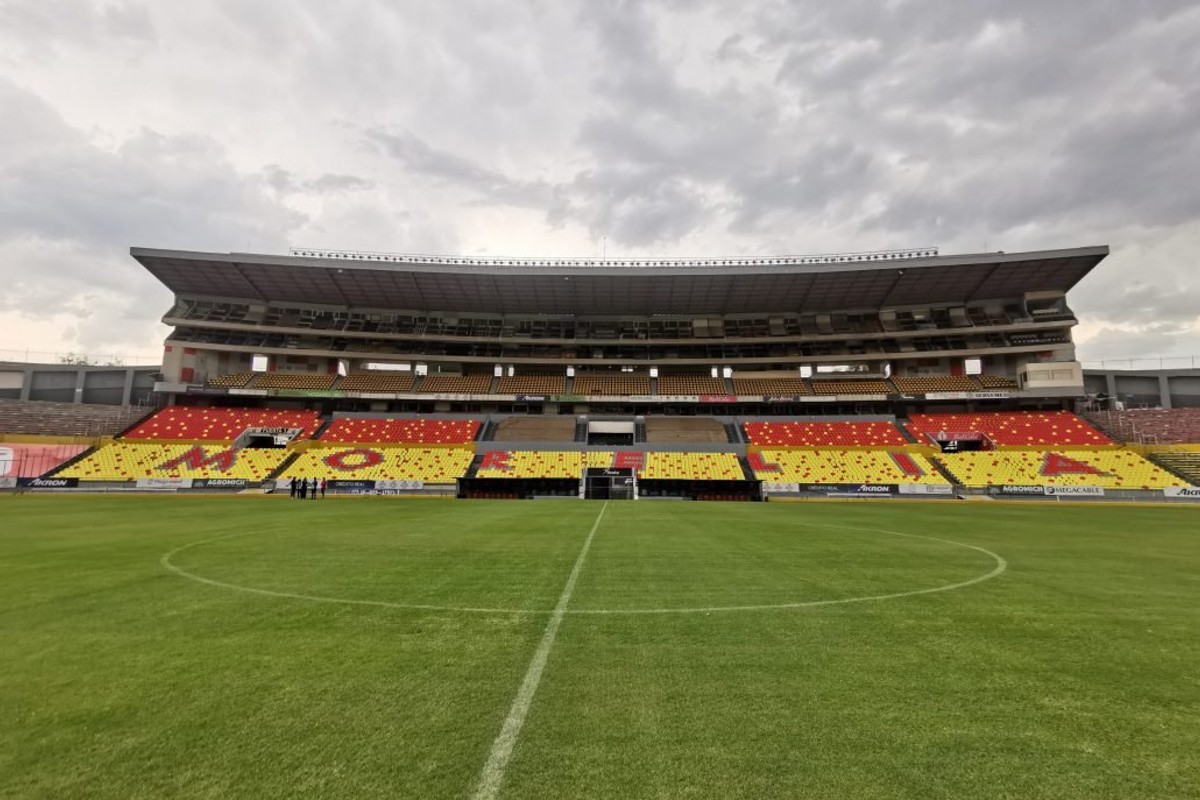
<point x="27" y="383"/>
<point x="1164" y="391"/>
<point x="1110" y="385"/>
<point x="127" y="391"/>
<point x="80" y="379"/>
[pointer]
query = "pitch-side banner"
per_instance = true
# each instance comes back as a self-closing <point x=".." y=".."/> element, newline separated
<point x="926" y="488"/>
<point x="164" y="483"/>
<point x="396" y="486"/>
<point x="1074" y="491"/>
<point x="1182" y="491"/>
<point x="218" y="483"/>
<point x="48" y="483"/>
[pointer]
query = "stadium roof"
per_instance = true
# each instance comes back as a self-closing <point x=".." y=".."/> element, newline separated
<point x="620" y="287"/>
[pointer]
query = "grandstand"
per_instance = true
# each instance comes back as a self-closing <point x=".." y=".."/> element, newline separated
<point x="896" y="372"/>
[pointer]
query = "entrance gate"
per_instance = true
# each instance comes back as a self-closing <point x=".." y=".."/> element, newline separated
<point x="606" y="483"/>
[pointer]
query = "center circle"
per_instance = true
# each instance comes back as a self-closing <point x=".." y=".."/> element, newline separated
<point x="854" y="565"/>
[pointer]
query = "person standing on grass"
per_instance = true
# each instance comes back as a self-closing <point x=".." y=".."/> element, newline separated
<point x="314" y="488"/>
<point x="304" y="488"/>
<point x="292" y="487"/>
<point x="322" y="488"/>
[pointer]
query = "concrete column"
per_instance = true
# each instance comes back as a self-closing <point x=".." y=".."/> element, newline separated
<point x="80" y="377"/>
<point x="1110" y="384"/>
<point x="1164" y="391"/>
<point x="27" y="383"/>
<point x="127" y="392"/>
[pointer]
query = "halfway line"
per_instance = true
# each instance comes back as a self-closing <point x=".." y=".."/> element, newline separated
<point x="492" y="776"/>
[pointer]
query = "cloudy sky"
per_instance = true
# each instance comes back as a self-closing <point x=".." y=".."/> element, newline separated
<point x="556" y="127"/>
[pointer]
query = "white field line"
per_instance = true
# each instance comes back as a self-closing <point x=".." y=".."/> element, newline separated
<point x="1000" y="566"/>
<point x="492" y="776"/>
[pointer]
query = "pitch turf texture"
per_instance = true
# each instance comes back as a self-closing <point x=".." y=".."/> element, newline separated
<point x="1075" y="673"/>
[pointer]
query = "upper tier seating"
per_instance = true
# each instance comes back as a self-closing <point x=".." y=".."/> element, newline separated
<point x="919" y="384"/>
<point x="378" y="381"/>
<point x="401" y="431"/>
<point x="1018" y="428"/>
<point x="770" y="386"/>
<point x="127" y="461"/>
<point x="691" y="466"/>
<point x="1111" y="469"/>
<point x="691" y="385"/>
<point x="824" y="434"/>
<point x="313" y="381"/>
<point x="843" y="466"/>
<point x="617" y="384"/>
<point x="997" y="382"/>
<point x="1152" y="425"/>
<point x="540" y="463"/>
<point x="533" y="384"/>
<point x="233" y="380"/>
<point x="39" y="418"/>
<point x="535" y="429"/>
<point x="685" y="429"/>
<point x="19" y="460"/>
<point x="441" y="465"/>
<point x="456" y="384"/>
<point x="851" y="386"/>
<point x="212" y="424"/>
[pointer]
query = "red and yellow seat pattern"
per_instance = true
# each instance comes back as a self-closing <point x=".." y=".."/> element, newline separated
<point x="1017" y="428"/>
<point x="692" y="466"/>
<point x="1110" y="469"/>
<point x="824" y="434"/>
<point x="541" y="463"/>
<point x="428" y="464"/>
<point x="191" y="423"/>
<point x="843" y="466"/>
<point x="129" y="461"/>
<point x="354" y="430"/>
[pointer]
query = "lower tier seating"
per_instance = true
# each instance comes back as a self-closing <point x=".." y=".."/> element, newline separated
<point x="129" y="461"/>
<point x="843" y="466"/>
<point x="427" y="464"/>
<point x="42" y="418"/>
<point x="1184" y="462"/>
<point x="1111" y="469"/>
<point x="535" y="429"/>
<point x="570" y="464"/>
<point x="1151" y="425"/>
<point x="21" y="460"/>
<point x="685" y="429"/>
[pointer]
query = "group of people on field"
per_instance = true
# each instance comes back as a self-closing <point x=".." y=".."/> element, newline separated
<point x="303" y="488"/>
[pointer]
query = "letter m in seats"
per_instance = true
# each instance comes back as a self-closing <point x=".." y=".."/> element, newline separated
<point x="198" y="458"/>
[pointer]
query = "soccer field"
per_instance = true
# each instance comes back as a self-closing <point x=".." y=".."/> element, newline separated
<point x="205" y="647"/>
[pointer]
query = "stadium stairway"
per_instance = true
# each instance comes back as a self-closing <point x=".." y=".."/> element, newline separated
<point x="287" y="462"/>
<point x="907" y="434"/>
<point x="1096" y="421"/>
<point x="473" y="469"/>
<point x="487" y="432"/>
<point x="943" y="470"/>
<point x="326" y="421"/>
<point x="150" y="411"/>
<point x="1185" y="466"/>
<point x="581" y="430"/>
<point x="639" y="430"/>
<point x="747" y="470"/>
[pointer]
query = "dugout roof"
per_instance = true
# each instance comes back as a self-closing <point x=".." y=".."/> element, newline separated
<point x="621" y="287"/>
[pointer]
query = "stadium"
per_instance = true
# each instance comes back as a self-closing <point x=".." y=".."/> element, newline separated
<point x="885" y="535"/>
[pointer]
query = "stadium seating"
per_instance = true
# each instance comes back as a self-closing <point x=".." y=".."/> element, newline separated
<point x="535" y="429"/>
<point x="129" y="461"/>
<point x="377" y="381"/>
<point x="212" y="424"/>
<point x="39" y="418"/>
<point x="376" y="430"/>
<point x="824" y="434"/>
<point x="685" y="429"/>
<point x="851" y="386"/>
<point x="432" y="465"/>
<point x="1111" y="469"/>
<point x="532" y="384"/>
<point x="456" y="384"/>
<point x="621" y="385"/>
<point x="997" y="382"/>
<point x="312" y="381"/>
<point x="691" y="385"/>
<point x="1031" y="428"/>
<point x="843" y="466"/>
<point x="1183" y="462"/>
<point x="540" y="463"/>
<point x="1151" y="425"/>
<point x="233" y="380"/>
<point x="771" y="386"/>
<point x="691" y="466"/>
<point x="920" y="384"/>
<point x="22" y="460"/>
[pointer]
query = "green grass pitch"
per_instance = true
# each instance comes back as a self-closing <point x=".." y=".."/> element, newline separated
<point x="229" y="647"/>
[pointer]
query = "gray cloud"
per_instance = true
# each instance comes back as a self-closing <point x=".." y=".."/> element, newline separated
<point x="667" y="127"/>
